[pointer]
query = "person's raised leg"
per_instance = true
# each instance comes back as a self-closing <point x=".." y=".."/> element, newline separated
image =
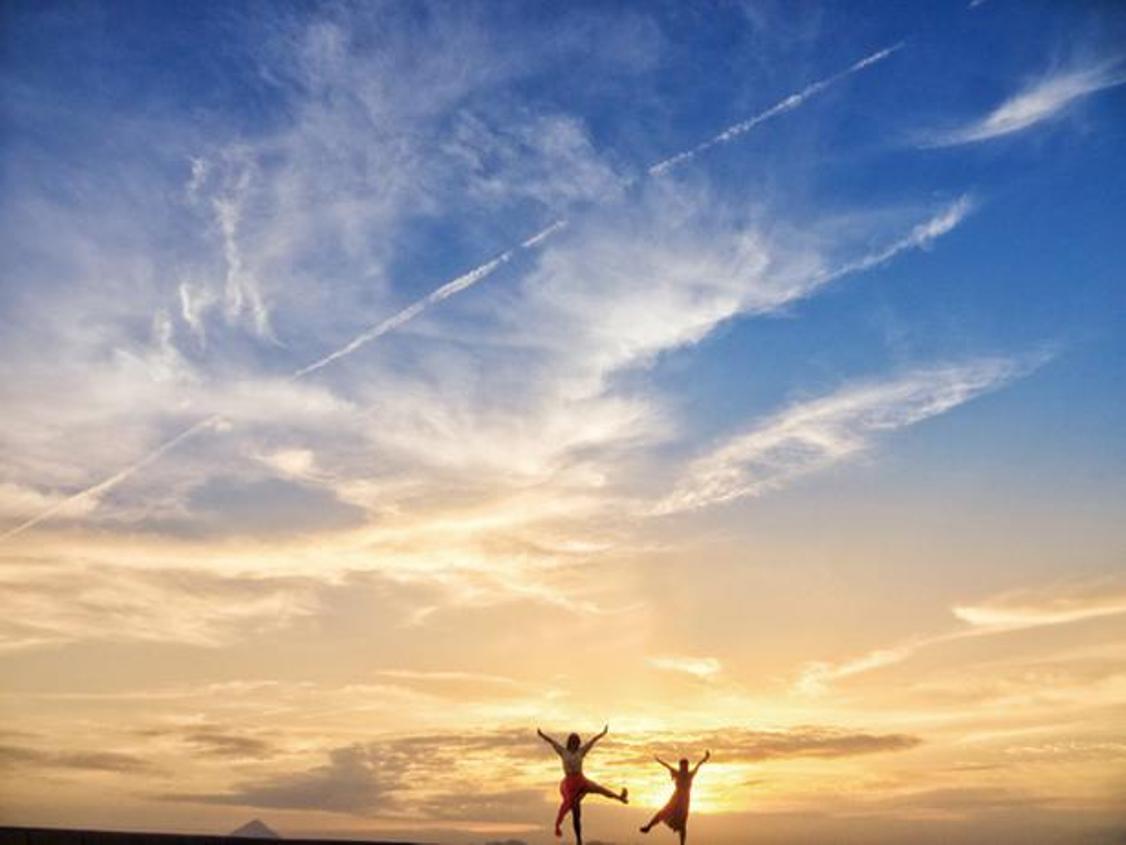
<point x="645" y="828"/>
<point x="599" y="789"/>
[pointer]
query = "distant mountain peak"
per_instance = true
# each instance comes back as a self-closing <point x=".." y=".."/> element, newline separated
<point x="256" y="829"/>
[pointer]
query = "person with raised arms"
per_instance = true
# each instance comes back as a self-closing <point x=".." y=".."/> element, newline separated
<point x="675" y="811"/>
<point x="575" y="784"/>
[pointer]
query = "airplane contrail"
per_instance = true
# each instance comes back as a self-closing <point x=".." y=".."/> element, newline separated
<point x="781" y="107"/>
<point x="444" y="292"/>
<point x="454" y="286"/>
<point x="112" y="481"/>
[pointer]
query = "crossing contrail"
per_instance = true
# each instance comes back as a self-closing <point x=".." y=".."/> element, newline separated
<point x="781" y="107"/>
<point x="452" y="287"/>
<point x="447" y="290"/>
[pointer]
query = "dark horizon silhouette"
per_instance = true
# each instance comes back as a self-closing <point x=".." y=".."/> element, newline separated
<point x="19" y="835"/>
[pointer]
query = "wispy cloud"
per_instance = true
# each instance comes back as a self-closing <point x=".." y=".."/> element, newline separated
<point x="783" y="106"/>
<point x="741" y="745"/>
<point x="698" y="667"/>
<point x="215" y="421"/>
<point x="235" y="182"/>
<point x="208" y="739"/>
<point x="729" y="295"/>
<point x="62" y="604"/>
<point x="1057" y="604"/>
<point x="94" y="761"/>
<point x="241" y="288"/>
<point x="1054" y="605"/>
<point x="818" y="433"/>
<point x="448" y="677"/>
<point x="1039" y="102"/>
<point x="921" y="236"/>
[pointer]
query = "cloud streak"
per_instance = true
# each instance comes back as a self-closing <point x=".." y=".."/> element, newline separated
<point x="1051" y="606"/>
<point x="92" y="761"/>
<point x="920" y="237"/>
<point x="242" y="291"/>
<point x="1038" y="103"/>
<point x="1019" y="610"/>
<point x="819" y="433"/>
<point x="697" y="667"/>
<point x="741" y="745"/>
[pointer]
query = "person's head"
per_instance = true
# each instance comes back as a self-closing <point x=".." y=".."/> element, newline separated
<point x="573" y="742"/>
<point x="683" y="764"/>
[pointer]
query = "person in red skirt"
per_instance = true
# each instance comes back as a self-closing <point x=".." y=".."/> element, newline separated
<point x="675" y="811"/>
<point x="575" y="784"/>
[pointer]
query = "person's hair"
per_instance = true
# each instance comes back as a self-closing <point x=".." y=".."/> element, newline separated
<point x="684" y="762"/>
<point x="573" y="742"/>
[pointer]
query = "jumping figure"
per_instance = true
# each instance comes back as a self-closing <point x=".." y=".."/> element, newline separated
<point x="575" y="785"/>
<point x="675" y="811"/>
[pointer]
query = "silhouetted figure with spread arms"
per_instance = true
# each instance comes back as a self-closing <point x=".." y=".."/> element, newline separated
<point x="574" y="784"/>
<point x="675" y="812"/>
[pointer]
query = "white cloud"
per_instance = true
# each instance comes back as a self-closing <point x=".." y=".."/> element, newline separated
<point x="1039" y="102"/>
<point x="1054" y="605"/>
<point x="294" y="463"/>
<point x="697" y="667"/>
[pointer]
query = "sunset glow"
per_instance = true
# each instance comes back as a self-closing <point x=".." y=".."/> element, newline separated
<point x="385" y="381"/>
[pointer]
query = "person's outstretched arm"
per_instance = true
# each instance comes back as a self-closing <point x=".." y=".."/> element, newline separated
<point x="666" y="765"/>
<point x="589" y="744"/>
<point x="558" y="748"/>
<point x="707" y="756"/>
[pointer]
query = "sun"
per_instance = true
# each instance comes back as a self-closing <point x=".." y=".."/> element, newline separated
<point x="718" y="788"/>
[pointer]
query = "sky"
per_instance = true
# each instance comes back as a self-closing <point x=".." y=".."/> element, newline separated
<point x="382" y="382"/>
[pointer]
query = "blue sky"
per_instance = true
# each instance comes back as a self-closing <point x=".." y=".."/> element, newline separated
<point x="772" y="352"/>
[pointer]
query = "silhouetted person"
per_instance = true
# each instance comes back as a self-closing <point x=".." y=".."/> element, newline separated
<point x="675" y="812"/>
<point x="574" y="784"/>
